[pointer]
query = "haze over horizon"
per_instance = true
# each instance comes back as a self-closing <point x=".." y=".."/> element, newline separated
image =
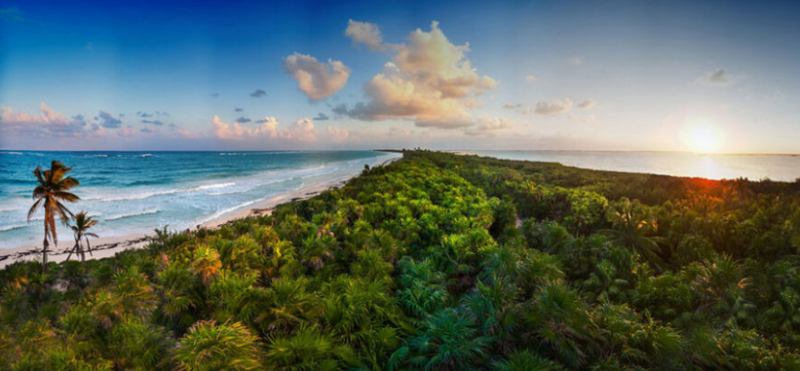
<point x="716" y="77"/>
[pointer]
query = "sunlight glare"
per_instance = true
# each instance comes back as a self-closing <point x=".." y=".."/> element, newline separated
<point x="701" y="136"/>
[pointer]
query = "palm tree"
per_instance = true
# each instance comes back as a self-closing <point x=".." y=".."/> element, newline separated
<point x="211" y="346"/>
<point x="632" y="226"/>
<point x="53" y="188"/>
<point x="82" y="224"/>
<point x="527" y="360"/>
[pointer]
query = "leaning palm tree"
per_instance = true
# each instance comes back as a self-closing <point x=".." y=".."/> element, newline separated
<point x="82" y="224"/>
<point x="53" y="188"/>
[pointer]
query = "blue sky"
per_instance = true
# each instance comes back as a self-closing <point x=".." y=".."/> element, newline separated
<point x="592" y="75"/>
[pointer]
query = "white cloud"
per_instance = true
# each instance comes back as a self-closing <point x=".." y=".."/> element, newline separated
<point x="302" y="130"/>
<point x="235" y="131"/>
<point x="48" y="124"/>
<point x="365" y="33"/>
<point x="52" y="124"/>
<point x="588" y="103"/>
<point x="489" y="126"/>
<point x="316" y="79"/>
<point x="338" y="134"/>
<point x="555" y="107"/>
<point x="429" y="80"/>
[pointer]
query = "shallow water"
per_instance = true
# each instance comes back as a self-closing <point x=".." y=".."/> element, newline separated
<point x="136" y="192"/>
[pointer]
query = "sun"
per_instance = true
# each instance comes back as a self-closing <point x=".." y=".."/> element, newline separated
<point x="702" y="136"/>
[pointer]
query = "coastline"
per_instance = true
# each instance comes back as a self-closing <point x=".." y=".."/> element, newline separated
<point x="105" y="247"/>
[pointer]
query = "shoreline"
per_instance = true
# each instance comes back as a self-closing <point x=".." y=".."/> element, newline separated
<point x="105" y="247"/>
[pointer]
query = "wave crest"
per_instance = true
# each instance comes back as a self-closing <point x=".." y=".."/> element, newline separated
<point x="123" y="216"/>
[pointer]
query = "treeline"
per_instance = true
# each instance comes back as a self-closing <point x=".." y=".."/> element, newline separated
<point x="440" y="262"/>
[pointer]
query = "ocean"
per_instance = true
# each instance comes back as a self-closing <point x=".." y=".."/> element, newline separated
<point x="136" y="192"/>
<point x="754" y="167"/>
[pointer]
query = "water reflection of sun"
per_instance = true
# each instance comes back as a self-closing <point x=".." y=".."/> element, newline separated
<point x="709" y="167"/>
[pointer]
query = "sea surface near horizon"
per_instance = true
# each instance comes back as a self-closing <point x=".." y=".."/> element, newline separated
<point x="136" y="192"/>
<point x="712" y="166"/>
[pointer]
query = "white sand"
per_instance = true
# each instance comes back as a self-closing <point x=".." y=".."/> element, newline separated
<point x="108" y="246"/>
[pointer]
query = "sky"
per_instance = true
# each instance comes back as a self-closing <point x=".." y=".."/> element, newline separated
<point x="711" y="76"/>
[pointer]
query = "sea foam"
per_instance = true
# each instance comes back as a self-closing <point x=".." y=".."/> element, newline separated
<point x="123" y="216"/>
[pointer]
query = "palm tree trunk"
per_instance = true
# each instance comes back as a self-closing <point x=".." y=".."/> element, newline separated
<point x="74" y="250"/>
<point x="83" y="253"/>
<point x="44" y="256"/>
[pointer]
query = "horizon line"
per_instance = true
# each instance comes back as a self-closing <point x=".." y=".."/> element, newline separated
<point x="427" y="149"/>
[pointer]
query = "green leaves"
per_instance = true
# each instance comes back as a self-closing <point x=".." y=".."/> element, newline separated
<point x="209" y="346"/>
<point x="53" y="188"/>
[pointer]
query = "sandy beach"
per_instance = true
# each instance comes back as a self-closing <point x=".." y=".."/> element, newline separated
<point x="105" y="247"/>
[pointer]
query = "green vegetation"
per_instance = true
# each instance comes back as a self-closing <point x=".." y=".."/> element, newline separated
<point x="440" y="262"/>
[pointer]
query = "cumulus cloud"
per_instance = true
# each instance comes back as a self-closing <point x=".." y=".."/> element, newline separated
<point x="338" y="134"/>
<point x="719" y="77"/>
<point x="108" y="120"/>
<point x="316" y="79"/>
<point x="258" y="93"/>
<point x="48" y="123"/>
<point x="489" y="126"/>
<point x="512" y="106"/>
<point x="321" y="117"/>
<point x="586" y="104"/>
<point x="265" y="119"/>
<point x="243" y="120"/>
<point x="555" y="107"/>
<point x="302" y="130"/>
<point x="53" y="124"/>
<point x="429" y="80"/>
<point x="235" y="131"/>
<point x="365" y="33"/>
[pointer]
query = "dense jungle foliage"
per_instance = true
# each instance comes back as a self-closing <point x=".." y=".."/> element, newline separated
<point x="440" y="262"/>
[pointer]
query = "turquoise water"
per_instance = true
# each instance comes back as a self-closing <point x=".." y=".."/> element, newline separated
<point x="755" y="167"/>
<point x="136" y="192"/>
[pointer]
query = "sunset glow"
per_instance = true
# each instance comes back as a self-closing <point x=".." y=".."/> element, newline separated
<point x="701" y="136"/>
